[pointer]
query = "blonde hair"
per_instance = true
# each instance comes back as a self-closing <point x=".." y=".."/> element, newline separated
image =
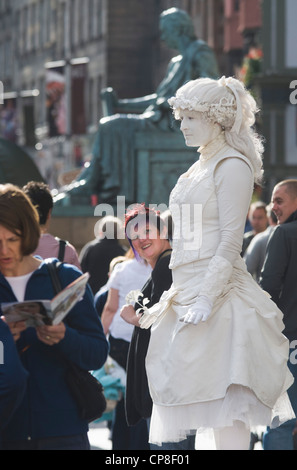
<point x="228" y="103"/>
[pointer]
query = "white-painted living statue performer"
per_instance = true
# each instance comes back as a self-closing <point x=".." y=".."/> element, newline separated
<point x="217" y="357"/>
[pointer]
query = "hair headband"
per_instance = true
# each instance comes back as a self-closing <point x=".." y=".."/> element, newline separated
<point x="238" y="119"/>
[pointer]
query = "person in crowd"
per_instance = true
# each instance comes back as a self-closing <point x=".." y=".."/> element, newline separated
<point x="126" y="276"/>
<point x="259" y="221"/>
<point x="101" y="296"/>
<point x="96" y="255"/>
<point x="278" y="278"/>
<point x="148" y="235"/>
<point x="13" y="377"/>
<point x="49" y="246"/>
<point x="255" y="253"/>
<point x="48" y="416"/>
<point x="209" y="330"/>
<point x="167" y="218"/>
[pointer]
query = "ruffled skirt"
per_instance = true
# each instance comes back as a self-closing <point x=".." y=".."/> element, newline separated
<point x="231" y="368"/>
<point x="173" y="424"/>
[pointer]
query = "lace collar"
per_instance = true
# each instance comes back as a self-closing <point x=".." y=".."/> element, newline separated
<point x="212" y="148"/>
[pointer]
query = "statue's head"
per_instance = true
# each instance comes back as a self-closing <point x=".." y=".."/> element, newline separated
<point x="174" y="23"/>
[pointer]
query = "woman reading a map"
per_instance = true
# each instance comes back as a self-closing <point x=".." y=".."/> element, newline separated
<point x="47" y="418"/>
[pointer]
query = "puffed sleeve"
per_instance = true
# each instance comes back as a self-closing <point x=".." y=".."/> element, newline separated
<point x="234" y="186"/>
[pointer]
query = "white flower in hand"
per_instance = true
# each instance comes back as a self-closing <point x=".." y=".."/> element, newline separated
<point x="133" y="296"/>
<point x="149" y="316"/>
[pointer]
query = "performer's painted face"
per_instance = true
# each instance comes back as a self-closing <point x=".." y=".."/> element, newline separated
<point x="196" y="130"/>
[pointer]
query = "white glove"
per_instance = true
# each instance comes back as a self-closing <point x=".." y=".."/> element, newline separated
<point x="199" y="311"/>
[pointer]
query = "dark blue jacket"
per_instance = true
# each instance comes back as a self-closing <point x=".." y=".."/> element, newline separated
<point x="13" y="377"/>
<point x="48" y="409"/>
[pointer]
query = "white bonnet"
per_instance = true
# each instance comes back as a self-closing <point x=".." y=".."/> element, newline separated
<point x="220" y="101"/>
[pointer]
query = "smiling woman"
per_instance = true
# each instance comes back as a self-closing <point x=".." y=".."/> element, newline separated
<point x="148" y="235"/>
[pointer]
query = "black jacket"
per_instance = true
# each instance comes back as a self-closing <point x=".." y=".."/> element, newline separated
<point x="138" y="401"/>
<point x="95" y="258"/>
<point x="279" y="273"/>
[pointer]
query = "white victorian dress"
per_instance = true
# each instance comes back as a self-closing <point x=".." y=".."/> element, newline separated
<point x="232" y="367"/>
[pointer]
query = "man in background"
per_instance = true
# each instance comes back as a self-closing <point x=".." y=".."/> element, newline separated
<point x="96" y="255"/>
<point x="279" y="279"/>
<point x="259" y="222"/>
<point x="255" y="254"/>
<point x="49" y="246"/>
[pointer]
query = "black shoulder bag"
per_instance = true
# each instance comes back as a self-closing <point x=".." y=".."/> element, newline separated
<point x="62" y="245"/>
<point x="86" y="390"/>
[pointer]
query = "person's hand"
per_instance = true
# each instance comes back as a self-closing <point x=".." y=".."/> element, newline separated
<point x="16" y="328"/>
<point x="129" y="315"/>
<point x="52" y="334"/>
<point x="199" y="311"/>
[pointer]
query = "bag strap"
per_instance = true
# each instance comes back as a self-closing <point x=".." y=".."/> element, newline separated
<point x="53" y="271"/>
<point x="62" y="245"/>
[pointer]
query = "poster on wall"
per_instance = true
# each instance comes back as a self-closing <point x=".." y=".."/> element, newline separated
<point x="56" y="100"/>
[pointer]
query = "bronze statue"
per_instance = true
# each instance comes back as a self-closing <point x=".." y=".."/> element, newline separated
<point x="109" y="173"/>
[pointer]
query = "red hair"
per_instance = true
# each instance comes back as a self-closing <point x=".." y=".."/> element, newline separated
<point x="143" y="215"/>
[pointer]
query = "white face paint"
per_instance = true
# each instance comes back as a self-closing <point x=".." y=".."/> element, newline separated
<point x="196" y="130"/>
